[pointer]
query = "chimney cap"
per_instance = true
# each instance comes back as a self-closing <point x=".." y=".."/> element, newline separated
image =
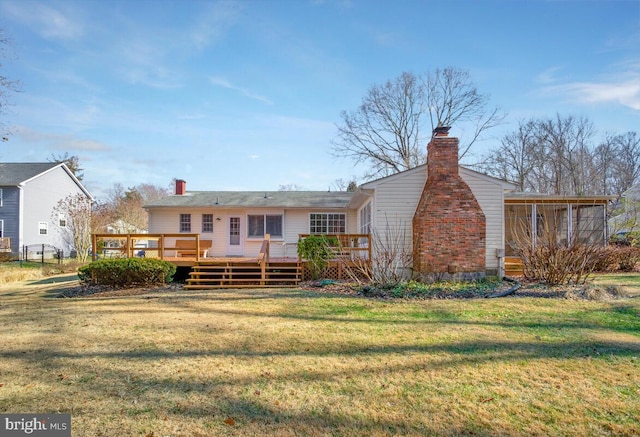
<point x="441" y="131"/>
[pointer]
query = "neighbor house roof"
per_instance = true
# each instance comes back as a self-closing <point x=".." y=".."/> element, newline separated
<point x="256" y="199"/>
<point x="15" y="173"/>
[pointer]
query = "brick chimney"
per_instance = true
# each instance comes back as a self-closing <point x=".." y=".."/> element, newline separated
<point x="449" y="227"/>
<point x="181" y="187"/>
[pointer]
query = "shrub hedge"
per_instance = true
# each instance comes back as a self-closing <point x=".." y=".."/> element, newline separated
<point x="127" y="272"/>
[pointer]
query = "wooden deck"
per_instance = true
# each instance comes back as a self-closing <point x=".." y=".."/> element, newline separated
<point x="186" y="250"/>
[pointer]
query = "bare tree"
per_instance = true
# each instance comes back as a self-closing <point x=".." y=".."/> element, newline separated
<point x="452" y="97"/>
<point x="386" y="131"/>
<point x="76" y="210"/>
<point x="7" y="86"/>
<point x="125" y="207"/>
<point x="517" y="155"/>
<point x="627" y="166"/>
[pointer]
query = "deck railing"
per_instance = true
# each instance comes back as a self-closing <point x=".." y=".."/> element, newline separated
<point x="128" y="245"/>
<point x="350" y="246"/>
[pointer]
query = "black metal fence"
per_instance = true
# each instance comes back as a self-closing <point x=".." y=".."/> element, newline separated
<point x="42" y="253"/>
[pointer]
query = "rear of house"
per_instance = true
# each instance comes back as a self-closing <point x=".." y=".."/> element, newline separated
<point x="236" y="222"/>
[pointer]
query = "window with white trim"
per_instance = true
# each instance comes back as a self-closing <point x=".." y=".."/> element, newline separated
<point x="185" y="222"/>
<point x="327" y="223"/>
<point x="259" y="225"/>
<point x="62" y="221"/>
<point x="365" y="219"/>
<point x="207" y="223"/>
<point x="43" y="228"/>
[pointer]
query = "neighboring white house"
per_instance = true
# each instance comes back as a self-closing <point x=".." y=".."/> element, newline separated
<point x="29" y="193"/>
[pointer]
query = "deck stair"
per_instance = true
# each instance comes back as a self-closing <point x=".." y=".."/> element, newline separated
<point x="243" y="273"/>
<point x="513" y="266"/>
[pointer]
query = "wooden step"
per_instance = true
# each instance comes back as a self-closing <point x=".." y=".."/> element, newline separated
<point x="209" y="275"/>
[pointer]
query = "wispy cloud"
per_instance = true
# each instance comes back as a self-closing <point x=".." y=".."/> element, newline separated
<point x="622" y="87"/>
<point x="64" y="142"/>
<point x="224" y="83"/>
<point x="45" y="20"/>
<point x="214" y="23"/>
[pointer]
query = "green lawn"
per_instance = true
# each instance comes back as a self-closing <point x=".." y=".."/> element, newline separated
<point x="292" y="362"/>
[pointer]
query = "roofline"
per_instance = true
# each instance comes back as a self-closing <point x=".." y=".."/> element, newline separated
<point x="531" y="198"/>
<point x="69" y="172"/>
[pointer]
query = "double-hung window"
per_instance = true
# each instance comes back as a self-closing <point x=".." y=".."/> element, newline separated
<point x="43" y="228"/>
<point x="207" y="222"/>
<point x="262" y="224"/>
<point x="327" y="223"/>
<point x="185" y="222"/>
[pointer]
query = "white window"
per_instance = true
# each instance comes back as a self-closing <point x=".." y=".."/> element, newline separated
<point x="62" y="221"/>
<point x="185" y="222"/>
<point x="0" y="196"/>
<point x="365" y="219"/>
<point x="207" y="222"/>
<point x="43" y="228"/>
<point x="259" y="225"/>
<point x="327" y="223"/>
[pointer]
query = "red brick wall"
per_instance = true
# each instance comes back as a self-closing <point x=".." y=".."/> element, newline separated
<point x="449" y="227"/>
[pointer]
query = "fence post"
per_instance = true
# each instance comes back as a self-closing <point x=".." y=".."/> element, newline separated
<point x="42" y="255"/>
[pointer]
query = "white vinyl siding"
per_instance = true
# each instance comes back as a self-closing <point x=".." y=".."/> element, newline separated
<point x="396" y="199"/>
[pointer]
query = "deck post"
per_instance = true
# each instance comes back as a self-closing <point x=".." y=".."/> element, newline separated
<point x="94" y="247"/>
<point x="161" y="247"/>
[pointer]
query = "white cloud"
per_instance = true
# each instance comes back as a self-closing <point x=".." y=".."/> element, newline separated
<point x="622" y="87"/>
<point x="224" y="83"/>
<point x="48" y="21"/>
<point x="214" y="23"/>
<point x="60" y="141"/>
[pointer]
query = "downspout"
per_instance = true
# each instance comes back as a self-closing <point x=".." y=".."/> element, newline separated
<point x="20" y="218"/>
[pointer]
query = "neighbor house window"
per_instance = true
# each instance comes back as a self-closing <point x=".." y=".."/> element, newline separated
<point x="43" y="228"/>
<point x="259" y="225"/>
<point x="185" y="222"/>
<point x="1" y="228"/>
<point x="0" y="196"/>
<point x="327" y="223"/>
<point x="62" y="221"/>
<point x="365" y="219"/>
<point x="207" y="222"/>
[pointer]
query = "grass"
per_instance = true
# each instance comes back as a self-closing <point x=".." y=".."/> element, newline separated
<point x="291" y="362"/>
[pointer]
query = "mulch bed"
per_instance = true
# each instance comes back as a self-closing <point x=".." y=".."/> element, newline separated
<point x="527" y="289"/>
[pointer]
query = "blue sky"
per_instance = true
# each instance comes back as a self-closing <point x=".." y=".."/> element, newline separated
<point x="246" y="94"/>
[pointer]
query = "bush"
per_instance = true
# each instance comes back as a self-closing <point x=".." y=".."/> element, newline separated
<point x="127" y="272"/>
<point x="317" y="250"/>
<point x="619" y="259"/>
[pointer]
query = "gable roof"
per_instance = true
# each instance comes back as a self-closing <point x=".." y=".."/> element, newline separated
<point x="15" y="173"/>
<point x="423" y="168"/>
<point x="256" y="199"/>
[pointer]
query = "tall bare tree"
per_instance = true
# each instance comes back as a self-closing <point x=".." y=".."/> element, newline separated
<point x="558" y="155"/>
<point x="386" y="130"/>
<point x="452" y="97"/>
